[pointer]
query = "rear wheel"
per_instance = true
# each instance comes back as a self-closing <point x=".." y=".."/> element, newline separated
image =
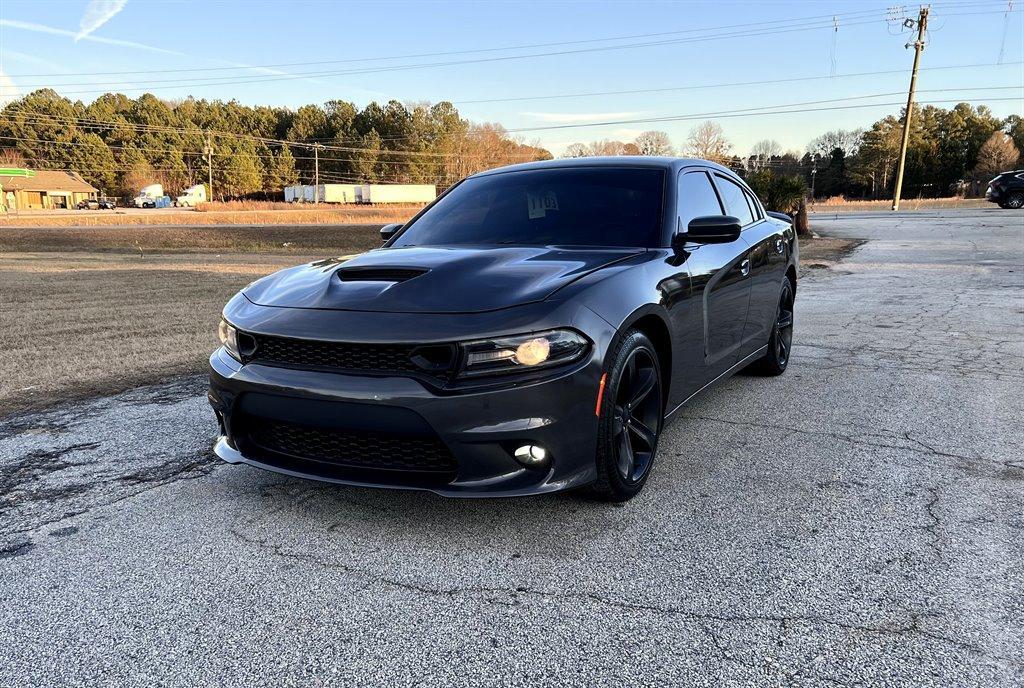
<point x="1015" y="200"/>
<point x="780" y="343"/>
<point x="631" y="418"/>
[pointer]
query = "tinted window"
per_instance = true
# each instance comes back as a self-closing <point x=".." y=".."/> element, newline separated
<point x="735" y="200"/>
<point x="573" y="207"/>
<point x="755" y="207"/>
<point x="696" y="198"/>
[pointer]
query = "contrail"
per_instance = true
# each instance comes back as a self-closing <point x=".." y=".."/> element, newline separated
<point x="42" y="28"/>
<point x="97" y="13"/>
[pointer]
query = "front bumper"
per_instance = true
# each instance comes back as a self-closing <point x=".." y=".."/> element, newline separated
<point x="479" y="430"/>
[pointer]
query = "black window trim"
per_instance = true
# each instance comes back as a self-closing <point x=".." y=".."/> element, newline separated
<point x="694" y="169"/>
<point x="747" y="194"/>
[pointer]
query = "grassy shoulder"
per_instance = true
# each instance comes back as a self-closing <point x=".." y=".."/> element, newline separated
<point x="85" y="313"/>
<point x="297" y="239"/>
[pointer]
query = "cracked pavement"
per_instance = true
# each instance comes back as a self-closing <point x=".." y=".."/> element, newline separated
<point x="857" y="521"/>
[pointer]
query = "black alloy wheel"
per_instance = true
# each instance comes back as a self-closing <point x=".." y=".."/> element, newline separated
<point x="631" y="418"/>
<point x="1015" y="201"/>
<point x="780" y="343"/>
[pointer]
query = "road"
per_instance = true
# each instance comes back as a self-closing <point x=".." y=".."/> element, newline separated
<point x="856" y="521"/>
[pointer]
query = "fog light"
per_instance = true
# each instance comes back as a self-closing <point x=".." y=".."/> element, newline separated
<point x="531" y="454"/>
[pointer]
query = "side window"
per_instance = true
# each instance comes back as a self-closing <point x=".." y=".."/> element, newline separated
<point x="735" y="200"/>
<point x="696" y="198"/>
<point x="755" y="207"/>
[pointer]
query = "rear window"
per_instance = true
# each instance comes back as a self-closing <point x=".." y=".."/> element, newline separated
<point x="567" y="207"/>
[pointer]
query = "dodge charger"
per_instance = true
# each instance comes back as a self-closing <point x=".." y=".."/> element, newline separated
<point x="531" y="330"/>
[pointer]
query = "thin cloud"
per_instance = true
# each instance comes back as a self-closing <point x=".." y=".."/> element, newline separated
<point x="35" y="60"/>
<point x="578" y="117"/>
<point x="97" y="13"/>
<point x="53" y="31"/>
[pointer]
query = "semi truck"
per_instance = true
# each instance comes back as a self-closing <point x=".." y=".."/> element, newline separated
<point x="191" y="196"/>
<point x="151" y="196"/>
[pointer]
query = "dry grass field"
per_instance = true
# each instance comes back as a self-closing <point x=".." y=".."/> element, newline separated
<point x="241" y="213"/>
<point x="838" y="204"/>
<point x="192" y="239"/>
<point x="84" y="311"/>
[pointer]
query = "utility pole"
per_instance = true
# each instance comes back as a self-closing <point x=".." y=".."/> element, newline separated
<point x="316" y="173"/>
<point x="208" y="151"/>
<point x="922" y="26"/>
<point x="814" y="175"/>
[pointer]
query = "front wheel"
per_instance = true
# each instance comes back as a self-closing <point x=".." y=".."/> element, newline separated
<point x="780" y="343"/>
<point x="631" y="414"/>
<point x="1015" y="201"/>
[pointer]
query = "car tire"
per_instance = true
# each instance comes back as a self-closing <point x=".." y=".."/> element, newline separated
<point x="1015" y="201"/>
<point x="631" y="414"/>
<point x="780" y="342"/>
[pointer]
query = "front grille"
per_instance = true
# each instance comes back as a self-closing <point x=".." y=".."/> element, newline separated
<point x="355" y="449"/>
<point x="387" y="358"/>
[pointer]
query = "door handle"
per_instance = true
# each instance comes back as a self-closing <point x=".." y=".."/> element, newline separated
<point x="745" y="267"/>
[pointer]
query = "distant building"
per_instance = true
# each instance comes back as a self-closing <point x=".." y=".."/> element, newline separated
<point x="46" y="189"/>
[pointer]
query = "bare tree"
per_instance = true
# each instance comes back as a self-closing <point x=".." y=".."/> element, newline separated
<point x="654" y="143"/>
<point x="846" y="141"/>
<point x="707" y="141"/>
<point x="997" y="154"/>
<point x="609" y="147"/>
<point x="11" y="157"/>
<point x="576" y="150"/>
<point x="762" y="153"/>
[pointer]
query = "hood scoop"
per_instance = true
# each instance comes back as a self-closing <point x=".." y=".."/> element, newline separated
<point x="379" y="274"/>
<point x="437" y="279"/>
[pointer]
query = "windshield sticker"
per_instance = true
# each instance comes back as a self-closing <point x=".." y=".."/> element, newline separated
<point x="540" y="203"/>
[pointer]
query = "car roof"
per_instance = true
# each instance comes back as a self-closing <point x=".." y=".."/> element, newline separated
<point x="665" y="163"/>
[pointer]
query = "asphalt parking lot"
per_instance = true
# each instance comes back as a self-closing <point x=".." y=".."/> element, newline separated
<point x="856" y="521"/>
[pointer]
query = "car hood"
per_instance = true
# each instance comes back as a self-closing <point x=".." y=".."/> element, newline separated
<point x="433" y="280"/>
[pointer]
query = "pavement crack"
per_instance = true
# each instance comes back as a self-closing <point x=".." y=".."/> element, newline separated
<point x="701" y="619"/>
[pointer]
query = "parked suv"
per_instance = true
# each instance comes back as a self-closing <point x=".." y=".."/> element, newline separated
<point x="1007" y="190"/>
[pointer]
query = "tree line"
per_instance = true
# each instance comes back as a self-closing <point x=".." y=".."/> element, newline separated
<point x="119" y="144"/>
<point x="950" y="152"/>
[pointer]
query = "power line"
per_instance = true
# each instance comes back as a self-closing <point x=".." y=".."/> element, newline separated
<point x="753" y="111"/>
<point x="694" y="87"/>
<point x="529" y="46"/>
<point x="220" y="81"/>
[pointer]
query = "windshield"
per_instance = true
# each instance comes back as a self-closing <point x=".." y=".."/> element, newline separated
<point x="569" y="207"/>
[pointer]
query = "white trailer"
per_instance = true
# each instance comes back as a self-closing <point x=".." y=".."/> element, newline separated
<point x="397" y="193"/>
<point x="337" y="193"/>
<point x="323" y="193"/>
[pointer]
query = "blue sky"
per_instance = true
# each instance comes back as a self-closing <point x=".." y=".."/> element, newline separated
<point x="65" y="43"/>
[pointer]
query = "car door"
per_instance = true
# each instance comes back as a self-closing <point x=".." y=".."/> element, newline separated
<point x="768" y="260"/>
<point x="718" y="276"/>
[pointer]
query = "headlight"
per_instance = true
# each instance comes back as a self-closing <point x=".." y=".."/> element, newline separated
<point x="229" y="338"/>
<point x="522" y="352"/>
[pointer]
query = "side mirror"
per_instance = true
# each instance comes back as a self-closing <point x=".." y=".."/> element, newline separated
<point x="388" y="231"/>
<point x="712" y="229"/>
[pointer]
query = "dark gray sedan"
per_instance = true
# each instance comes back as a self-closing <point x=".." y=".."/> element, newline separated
<point x="531" y="330"/>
